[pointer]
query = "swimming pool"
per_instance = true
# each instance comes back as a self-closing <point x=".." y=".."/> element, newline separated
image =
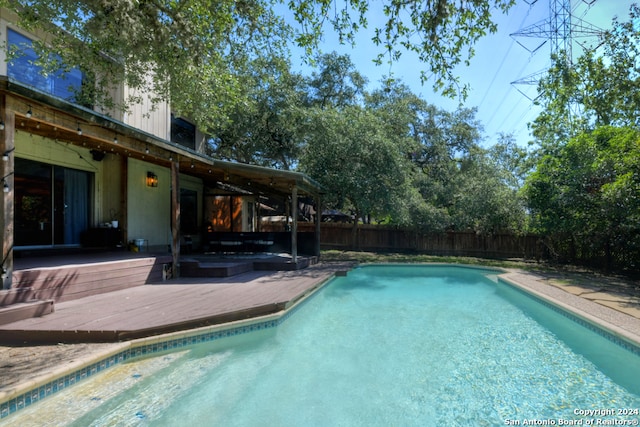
<point x="386" y="345"/>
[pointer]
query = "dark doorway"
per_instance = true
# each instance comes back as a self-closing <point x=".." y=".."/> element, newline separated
<point x="52" y="204"/>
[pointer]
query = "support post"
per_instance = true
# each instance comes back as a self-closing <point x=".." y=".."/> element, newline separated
<point x="175" y="218"/>
<point x="7" y="147"/>
<point x="124" y="199"/>
<point x="318" y="222"/>
<point x="294" y="224"/>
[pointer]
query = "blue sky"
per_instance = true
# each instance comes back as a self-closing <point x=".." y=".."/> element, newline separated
<point x="500" y="60"/>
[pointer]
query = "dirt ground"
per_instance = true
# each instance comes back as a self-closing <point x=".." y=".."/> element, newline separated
<point x="20" y="364"/>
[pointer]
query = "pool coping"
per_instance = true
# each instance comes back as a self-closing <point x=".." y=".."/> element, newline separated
<point x="616" y="325"/>
<point x="31" y="391"/>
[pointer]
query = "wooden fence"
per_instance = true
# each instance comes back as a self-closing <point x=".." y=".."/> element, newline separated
<point x="379" y="238"/>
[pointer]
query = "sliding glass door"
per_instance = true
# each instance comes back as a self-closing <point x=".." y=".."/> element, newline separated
<point x="52" y="204"/>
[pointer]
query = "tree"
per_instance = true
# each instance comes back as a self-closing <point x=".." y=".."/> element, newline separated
<point x="586" y="197"/>
<point x="511" y="161"/>
<point x="482" y="199"/>
<point x="442" y="138"/>
<point x="190" y="52"/>
<point x="265" y="130"/>
<point x="349" y="152"/>
<point x="336" y="83"/>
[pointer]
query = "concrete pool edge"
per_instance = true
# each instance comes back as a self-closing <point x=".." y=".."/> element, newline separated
<point x="613" y="322"/>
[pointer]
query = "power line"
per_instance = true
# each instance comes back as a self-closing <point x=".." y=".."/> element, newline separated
<point x="509" y="88"/>
<point x="504" y="58"/>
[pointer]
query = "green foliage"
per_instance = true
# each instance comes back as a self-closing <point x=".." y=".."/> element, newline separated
<point x="589" y="192"/>
<point x="266" y="129"/>
<point x="189" y="53"/>
<point x="349" y="152"/>
<point x="195" y="53"/>
<point x="336" y="83"/>
<point x="481" y="199"/>
<point x="402" y="161"/>
<point x="512" y="162"/>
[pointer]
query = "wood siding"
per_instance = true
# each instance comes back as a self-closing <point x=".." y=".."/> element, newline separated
<point x="154" y="119"/>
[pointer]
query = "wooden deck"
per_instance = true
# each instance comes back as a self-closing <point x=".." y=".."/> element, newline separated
<point x="168" y="306"/>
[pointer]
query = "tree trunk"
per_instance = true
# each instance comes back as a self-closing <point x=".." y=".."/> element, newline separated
<point x="355" y="241"/>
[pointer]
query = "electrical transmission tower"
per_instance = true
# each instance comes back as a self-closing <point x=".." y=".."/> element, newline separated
<point x="560" y="30"/>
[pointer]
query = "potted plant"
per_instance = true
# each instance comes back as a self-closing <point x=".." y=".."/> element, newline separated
<point x="114" y="218"/>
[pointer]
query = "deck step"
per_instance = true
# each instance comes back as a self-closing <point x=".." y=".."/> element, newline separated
<point x="67" y="282"/>
<point x="284" y="265"/>
<point x="195" y="268"/>
<point x="25" y="310"/>
<point x="15" y="295"/>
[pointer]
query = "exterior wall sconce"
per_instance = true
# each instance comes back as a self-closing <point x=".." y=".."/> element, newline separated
<point x="152" y="179"/>
<point x="5" y="155"/>
<point x="5" y="185"/>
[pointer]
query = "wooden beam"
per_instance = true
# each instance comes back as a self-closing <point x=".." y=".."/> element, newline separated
<point x="294" y="224"/>
<point x="7" y="147"/>
<point x="318" y="222"/>
<point x="124" y="199"/>
<point x="175" y="218"/>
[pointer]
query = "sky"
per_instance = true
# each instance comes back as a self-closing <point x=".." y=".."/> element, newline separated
<point x="501" y="59"/>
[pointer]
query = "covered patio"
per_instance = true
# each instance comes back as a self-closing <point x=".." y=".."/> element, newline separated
<point x="27" y="112"/>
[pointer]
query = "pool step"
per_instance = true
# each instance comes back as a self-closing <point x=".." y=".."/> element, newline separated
<point x="199" y="268"/>
<point x="25" y="310"/>
<point x="195" y="268"/>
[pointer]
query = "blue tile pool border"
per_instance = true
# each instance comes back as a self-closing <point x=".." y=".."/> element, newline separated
<point x="598" y="329"/>
<point x="36" y="394"/>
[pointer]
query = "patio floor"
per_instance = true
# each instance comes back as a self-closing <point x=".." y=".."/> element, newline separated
<point x="168" y="306"/>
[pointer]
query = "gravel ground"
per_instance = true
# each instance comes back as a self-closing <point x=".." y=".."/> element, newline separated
<point x="20" y="364"/>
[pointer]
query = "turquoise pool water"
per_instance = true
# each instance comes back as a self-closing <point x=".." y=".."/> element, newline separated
<point x="386" y="346"/>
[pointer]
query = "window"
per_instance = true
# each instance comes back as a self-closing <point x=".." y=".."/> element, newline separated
<point x="23" y="68"/>
<point x="52" y="204"/>
<point x="183" y="132"/>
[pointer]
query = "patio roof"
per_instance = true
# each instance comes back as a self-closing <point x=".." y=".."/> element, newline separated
<point x="55" y="118"/>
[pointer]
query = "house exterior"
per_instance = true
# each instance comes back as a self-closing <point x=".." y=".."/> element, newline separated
<point x="75" y="176"/>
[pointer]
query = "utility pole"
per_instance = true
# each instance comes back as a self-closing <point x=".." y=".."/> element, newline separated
<point x="559" y="29"/>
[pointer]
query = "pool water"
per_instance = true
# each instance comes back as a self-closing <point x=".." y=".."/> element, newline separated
<point x="384" y="346"/>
